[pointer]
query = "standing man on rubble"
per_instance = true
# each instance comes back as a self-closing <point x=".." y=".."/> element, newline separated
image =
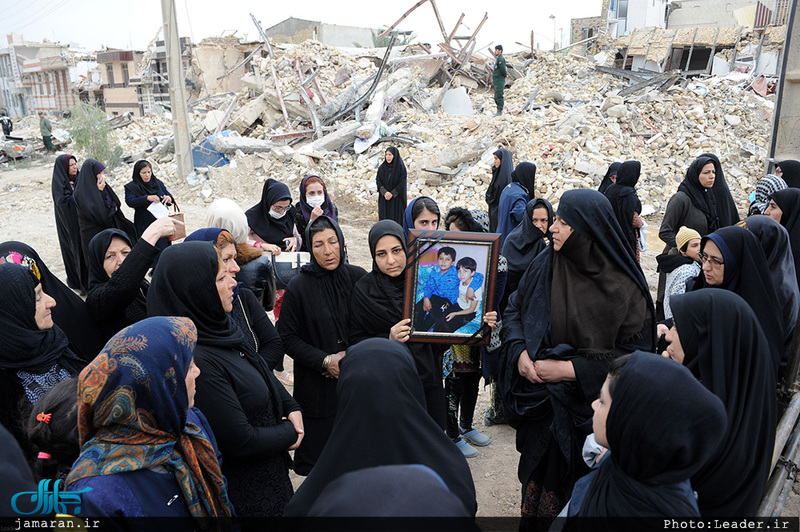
<point x="499" y="78"/>
<point x="5" y="121"/>
<point x="47" y="130"/>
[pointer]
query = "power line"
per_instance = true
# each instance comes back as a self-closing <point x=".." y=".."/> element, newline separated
<point x="35" y="15"/>
<point x="38" y="16"/>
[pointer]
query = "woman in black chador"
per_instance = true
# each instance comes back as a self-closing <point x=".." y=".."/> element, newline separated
<point x="144" y="189"/>
<point x="65" y="174"/>
<point x="501" y="177"/>
<point x="392" y="181"/>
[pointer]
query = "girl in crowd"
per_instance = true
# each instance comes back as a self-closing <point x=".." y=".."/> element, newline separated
<point x="145" y="452"/>
<point x="422" y="213"/>
<point x="734" y="260"/>
<point x="314" y="202"/>
<point x="766" y="186"/>
<point x="789" y="170"/>
<point x="98" y="206"/>
<point x="784" y="208"/>
<point x="380" y="384"/>
<point x="271" y="220"/>
<point x="392" y="182"/>
<point x="52" y="428"/>
<point x="581" y="303"/>
<point x="525" y="242"/>
<point x="314" y="331"/>
<point x="626" y="203"/>
<point x="682" y="267"/>
<point x="501" y="176"/>
<point x="515" y="197"/>
<point x="254" y="417"/>
<point x="71" y="314"/>
<point x="35" y="354"/>
<point x="117" y="285"/>
<point x="661" y="426"/>
<point x="249" y="314"/>
<point x="378" y="296"/>
<point x="143" y="190"/>
<point x="702" y="202"/>
<point x="65" y="174"/>
<point x="718" y="337"/>
<point x="610" y="178"/>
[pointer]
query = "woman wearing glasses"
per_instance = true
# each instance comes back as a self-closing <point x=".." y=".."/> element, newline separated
<point x="734" y="260"/>
<point x="271" y="220"/>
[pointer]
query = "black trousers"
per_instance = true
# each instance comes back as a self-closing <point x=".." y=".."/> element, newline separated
<point x="440" y="307"/>
<point x="461" y="390"/>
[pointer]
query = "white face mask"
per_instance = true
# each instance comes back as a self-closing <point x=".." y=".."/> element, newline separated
<point x="315" y="201"/>
<point x="276" y="215"/>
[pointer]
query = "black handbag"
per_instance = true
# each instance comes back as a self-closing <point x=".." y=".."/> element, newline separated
<point x="287" y="265"/>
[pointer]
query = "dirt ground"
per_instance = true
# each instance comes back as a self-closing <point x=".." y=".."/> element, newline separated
<point x="26" y="204"/>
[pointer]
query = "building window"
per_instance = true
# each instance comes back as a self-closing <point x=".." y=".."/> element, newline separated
<point x="110" y="71"/>
<point x="623" y="9"/>
<point x="125" y="77"/>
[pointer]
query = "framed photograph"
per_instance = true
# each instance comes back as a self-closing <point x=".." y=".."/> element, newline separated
<point x="450" y="285"/>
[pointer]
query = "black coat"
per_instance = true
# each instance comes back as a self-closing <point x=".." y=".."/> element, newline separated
<point x="253" y="320"/>
<point x="392" y="178"/>
<point x="67" y="227"/>
<point x="141" y="216"/>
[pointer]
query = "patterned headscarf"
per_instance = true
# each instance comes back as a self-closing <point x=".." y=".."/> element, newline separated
<point x="132" y="404"/>
<point x="765" y="187"/>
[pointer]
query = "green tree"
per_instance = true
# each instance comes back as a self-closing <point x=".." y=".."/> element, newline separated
<point x="91" y="133"/>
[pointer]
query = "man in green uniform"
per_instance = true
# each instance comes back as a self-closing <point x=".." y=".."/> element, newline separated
<point x="47" y="131"/>
<point x="499" y="78"/>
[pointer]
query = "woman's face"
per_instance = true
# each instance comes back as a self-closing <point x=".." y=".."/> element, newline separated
<point x="692" y="250"/>
<point x="674" y="349"/>
<point x="389" y="256"/>
<point x="778" y="172"/>
<point x="497" y="161"/>
<point x="773" y="211"/>
<point x="426" y="221"/>
<point x="191" y="376"/>
<point x="540" y="219"/>
<point x="225" y="285"/>
<point x="561" y="232"/>
<point x="73" y="167"/>
<point x="713" y="264"/>
<point x="601" y="406"/>
<point x="117" y="250"/>
<point x="146" y="173"/>
<point x="43" y="312"/>
<point x="229" y="259"/>
<point x="314" y="189"/>
<point x="281" y="206"/>
<point x="389" y="156"/>
<point x="707" y="175"/>
<point x="326" y="248"/>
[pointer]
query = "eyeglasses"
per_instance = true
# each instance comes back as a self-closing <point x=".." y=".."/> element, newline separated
<point x="281" y="210"/>
<point x="715" y="262"/>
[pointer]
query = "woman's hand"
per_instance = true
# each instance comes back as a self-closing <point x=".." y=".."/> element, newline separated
<point x="167" y="200"/>
<point x="387" y="196"/>
<point x="296" y="418"/>
<point x="661" y="330"/>
<point x="333" y="366"/>
<point x="162" y="227"/>
<point x="152" y="198"/>
<point x="291" y="243"/>
<point x="527" y="369"/>
<point x="315" y="213"/>
<point x="554" y="370"/>
<point x="490" y="319"/>
<point x="401" y="331"/>
<point x="271" y="248"/>
<point x="101" y="182"/>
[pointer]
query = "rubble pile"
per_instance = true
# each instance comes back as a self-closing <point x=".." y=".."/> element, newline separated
<point x="562" y="114"/>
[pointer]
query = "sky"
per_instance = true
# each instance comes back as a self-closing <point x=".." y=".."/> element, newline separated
<point x="126" y="24"/>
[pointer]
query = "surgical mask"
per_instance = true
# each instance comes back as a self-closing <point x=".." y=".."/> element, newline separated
<point x="315" y="201"/>
<point x="276" y="215"/>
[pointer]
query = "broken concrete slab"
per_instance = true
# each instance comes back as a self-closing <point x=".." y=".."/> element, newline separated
<point x="333" y="141"/>
<point x="227" y="145"/>
<point x="456" y="102"/>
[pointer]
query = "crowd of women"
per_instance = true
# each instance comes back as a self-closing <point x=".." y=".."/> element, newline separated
<point x="160" y="390"/>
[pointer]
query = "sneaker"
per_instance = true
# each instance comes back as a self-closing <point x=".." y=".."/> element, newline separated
<point x="466" y="449"/>
<point x="475" y="437"/>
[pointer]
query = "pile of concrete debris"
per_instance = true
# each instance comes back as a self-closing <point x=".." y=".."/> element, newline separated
<point x="313" y="109"/>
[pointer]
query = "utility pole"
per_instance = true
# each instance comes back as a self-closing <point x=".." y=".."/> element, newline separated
<point x="177" y="92"/>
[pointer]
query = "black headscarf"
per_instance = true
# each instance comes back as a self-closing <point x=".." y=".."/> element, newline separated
<point x="184" y="284"/>
<point x="726" y="349"/>
<point x="526" y="240"/>
<point x="525" y="175"/>
<point x="70" y="312"/>
<point x="24" y="345"/>
<point x="393" y="175"/>
<point x="624" y="199"/>
<point x="791" y="172"/>
<point x="774" y="240"/>
<point x="789" y="202"/>
<point x="500" y="176"/>
<point x="92" y="202"/>
<point x="606" y="182"/>
<point x="268" y="228"/>
<point x="137" y="186"/>
<point x="381" y="420"/>
<point x="662" y="426"/>
<point x="716" y="203"/>
<point x="747" y="274"/>
<point x="98" y="246"/>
